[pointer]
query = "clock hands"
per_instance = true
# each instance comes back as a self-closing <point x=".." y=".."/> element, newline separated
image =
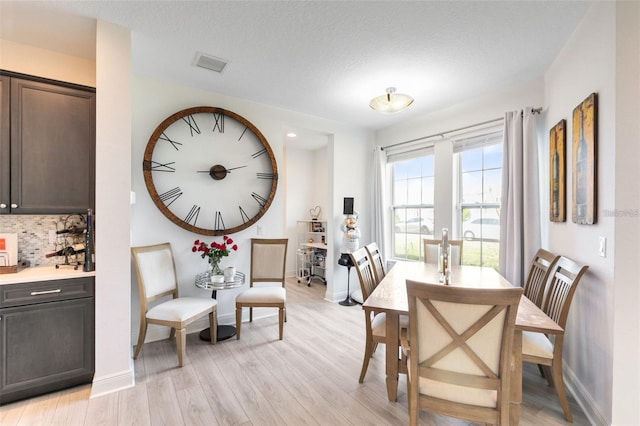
<point x="219" y="172"/>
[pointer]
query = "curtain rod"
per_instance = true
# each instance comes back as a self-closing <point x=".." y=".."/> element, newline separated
<point x="533" y="111"/>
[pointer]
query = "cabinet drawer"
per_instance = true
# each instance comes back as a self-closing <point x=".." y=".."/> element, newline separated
<point x="45" y="291"/>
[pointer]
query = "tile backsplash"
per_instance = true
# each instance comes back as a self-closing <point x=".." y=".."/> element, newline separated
<point x="33" y="236"/>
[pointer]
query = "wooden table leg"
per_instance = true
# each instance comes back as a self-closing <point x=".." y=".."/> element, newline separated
<point x="516" y="379"/>
<point x="392" y="338"/>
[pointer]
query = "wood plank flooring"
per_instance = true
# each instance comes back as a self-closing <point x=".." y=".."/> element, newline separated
<point x="309" y="378"/>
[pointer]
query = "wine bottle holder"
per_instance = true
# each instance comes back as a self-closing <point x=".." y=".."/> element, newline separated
<point x="70" y="240"/>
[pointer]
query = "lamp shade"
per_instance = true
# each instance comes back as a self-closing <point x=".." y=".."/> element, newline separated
<point x="391" y="102"/>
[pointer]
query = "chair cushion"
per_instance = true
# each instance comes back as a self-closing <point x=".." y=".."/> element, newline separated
<point x="536" y="344"/>
<point x="263" y="295"/>
<point x="180" y="309"/>
<point x="378" y="324"/>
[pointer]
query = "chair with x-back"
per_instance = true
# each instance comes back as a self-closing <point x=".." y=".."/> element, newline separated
<point x="539" y="348"/>
<point x="541" y="266"/>
<point x="460" y="351"/>
<point x="157" y="280"/>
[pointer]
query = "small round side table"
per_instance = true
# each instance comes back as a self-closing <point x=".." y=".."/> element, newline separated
<point x="203" y="281"/>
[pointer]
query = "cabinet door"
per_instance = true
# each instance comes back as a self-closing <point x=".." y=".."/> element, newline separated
<point x="45" y="347"/>
<point x="52" y="148"/>
<point x="5" y="156"/>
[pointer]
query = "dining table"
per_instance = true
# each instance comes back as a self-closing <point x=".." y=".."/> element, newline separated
<point x="390" y="297"/>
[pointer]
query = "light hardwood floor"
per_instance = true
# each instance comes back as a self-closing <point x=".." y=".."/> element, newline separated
<point x="310" y="377"/>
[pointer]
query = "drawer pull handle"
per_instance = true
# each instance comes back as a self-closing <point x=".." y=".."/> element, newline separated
<point x="38" y="293"/>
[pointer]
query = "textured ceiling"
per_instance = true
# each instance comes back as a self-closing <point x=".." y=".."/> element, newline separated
<point x="325" y="58"/>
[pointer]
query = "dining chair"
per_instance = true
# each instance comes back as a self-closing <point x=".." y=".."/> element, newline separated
<point x="541" y="266"/>
<point x="268" y="262"/>
<point x="460" y="350"/>
<point x="538" y="348"/>
<point x="375" y="322"/>
<point x="157" y="279"/>
<point x="431" y="251"/>
<point x="375" y="257"/>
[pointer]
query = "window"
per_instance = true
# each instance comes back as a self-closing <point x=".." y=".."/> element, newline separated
<point x="466" y="173"/>
<point x="412" y="205"/>
<point x="480" y="183"/>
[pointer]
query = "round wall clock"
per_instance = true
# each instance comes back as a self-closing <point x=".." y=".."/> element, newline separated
<point x="210" y="171"/>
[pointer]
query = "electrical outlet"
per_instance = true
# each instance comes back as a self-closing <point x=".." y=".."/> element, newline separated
<point x="602" y="248"/>
<point x="52" y="236"/>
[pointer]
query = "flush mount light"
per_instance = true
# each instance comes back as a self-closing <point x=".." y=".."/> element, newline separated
<point x="391" y="102"/>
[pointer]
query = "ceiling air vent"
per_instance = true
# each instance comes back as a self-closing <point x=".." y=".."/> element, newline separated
<point x="209" y="62"/>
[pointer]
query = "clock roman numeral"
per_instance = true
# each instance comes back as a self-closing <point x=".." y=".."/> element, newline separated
<point x="270" y="176"/>
<point x="173" y="143"/>
<point x="259" y="153"/>
<point x="259" y="199"/>
<point x="243" y="215"/>
<point x="219" y="122"/>
<point x="193" y="214"/>
<point x="160" y="167"/>
<point x="218" y="224"/>
<point x="191" y="122"/>
<point x="243" y="132"/>
<point x="171" y="195"/>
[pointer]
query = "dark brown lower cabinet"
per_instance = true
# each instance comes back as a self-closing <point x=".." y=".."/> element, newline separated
<point x="46" y="337"/>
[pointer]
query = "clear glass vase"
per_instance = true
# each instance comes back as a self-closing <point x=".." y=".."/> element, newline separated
<point x="215" y="267"/>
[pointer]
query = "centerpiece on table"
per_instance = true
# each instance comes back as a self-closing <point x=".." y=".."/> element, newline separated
<point x="215" y="252"/>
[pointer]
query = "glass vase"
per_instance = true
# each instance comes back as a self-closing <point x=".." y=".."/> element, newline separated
<point x="215" y="267"/>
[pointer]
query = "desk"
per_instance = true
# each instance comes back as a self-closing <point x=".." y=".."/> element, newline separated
<point x="390" y="296"/>
<point x="203" y="281"/>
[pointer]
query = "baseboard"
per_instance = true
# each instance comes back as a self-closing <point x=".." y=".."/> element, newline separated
<point x="113" y="382"/>
<point x="583" y="398"/>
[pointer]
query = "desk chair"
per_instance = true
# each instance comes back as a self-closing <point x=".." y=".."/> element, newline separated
<point x="460" y="351"/>
<point x="268" y="261"/>
<point x="431" y="251"/>
<point x="537" y="347"/>
<point x="157" y="279"/>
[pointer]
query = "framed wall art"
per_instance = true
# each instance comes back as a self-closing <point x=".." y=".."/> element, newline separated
<point x="585" y="130"/>
<point x="557" y="175"/>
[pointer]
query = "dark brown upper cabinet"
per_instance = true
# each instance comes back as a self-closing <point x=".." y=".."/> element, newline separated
<point x="47" y="144"/>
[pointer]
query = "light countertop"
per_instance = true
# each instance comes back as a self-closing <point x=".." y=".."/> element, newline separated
<point x="43" y="273"/>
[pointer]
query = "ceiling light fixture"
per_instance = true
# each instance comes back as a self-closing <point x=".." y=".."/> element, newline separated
<point x="391" y="102"/>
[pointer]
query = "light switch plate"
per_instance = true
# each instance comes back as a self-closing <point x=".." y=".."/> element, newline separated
<point x="602" y="247"/>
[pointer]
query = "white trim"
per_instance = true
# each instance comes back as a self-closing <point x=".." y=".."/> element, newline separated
<point x="113" y="382"/>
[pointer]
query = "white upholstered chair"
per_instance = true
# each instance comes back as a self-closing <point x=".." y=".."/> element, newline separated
<point x="268" y="262"/>
<point x="460" y="350"/>
<point x="157" y="280"/>
<point x="431" y="251"/>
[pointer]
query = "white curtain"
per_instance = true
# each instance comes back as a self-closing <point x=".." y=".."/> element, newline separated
<point x="380" y="200"/>
<point x="520" y="210"/>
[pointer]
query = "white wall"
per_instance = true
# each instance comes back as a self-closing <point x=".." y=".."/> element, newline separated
<point x="114" y="368"/>
<point x="586" y="65"/>
<point x="626" y="333"/>
<point x="153" y="101"/>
